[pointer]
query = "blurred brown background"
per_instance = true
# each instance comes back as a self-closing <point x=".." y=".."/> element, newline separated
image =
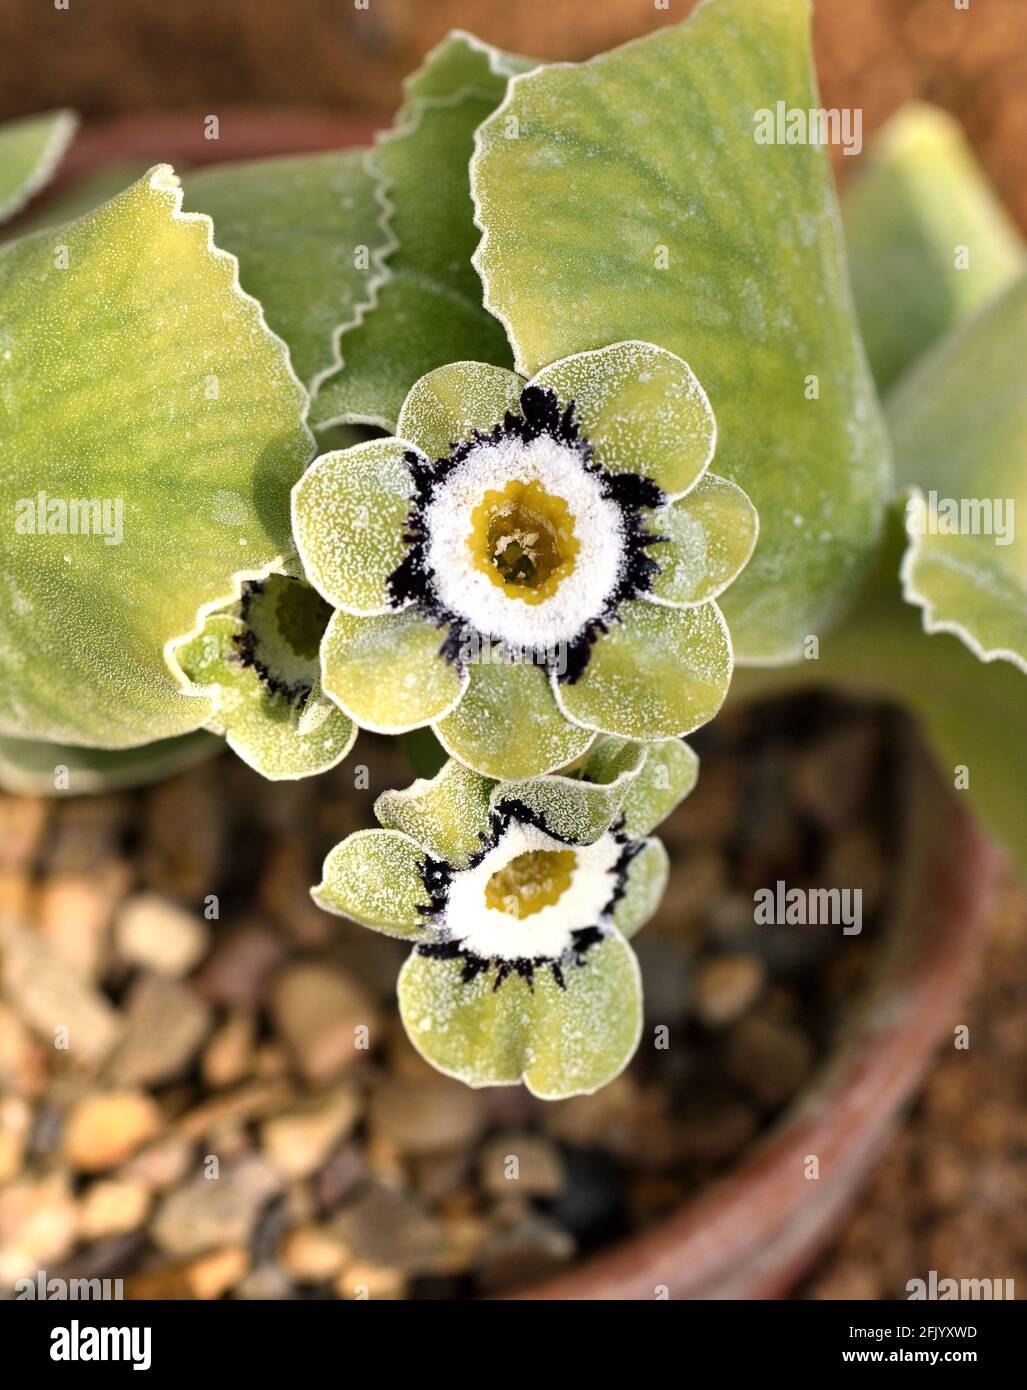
<point x="108" y="57"/>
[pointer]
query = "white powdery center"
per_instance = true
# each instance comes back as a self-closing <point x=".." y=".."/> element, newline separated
<point x="465" y="590"/>
<point x="492" y="934"/>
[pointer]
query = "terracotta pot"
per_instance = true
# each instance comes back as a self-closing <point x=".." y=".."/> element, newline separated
<point x="753" y="1232"/>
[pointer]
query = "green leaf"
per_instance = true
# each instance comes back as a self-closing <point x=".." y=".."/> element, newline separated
<point x="590" y="179"/>
<point x="921" y="197"/>
<point x="429" y="312"/>
<point x="30" y="151"/>
<point x="82" y="196"/>
<point x="30" y="767"/>
<point x="310" y="237"/>
<point x="136" y="376"/>
<point x="959" y="422"/>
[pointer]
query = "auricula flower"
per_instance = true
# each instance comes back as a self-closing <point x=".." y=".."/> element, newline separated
<point x="529" y="563"/>
<point x="518" y="899"/>
<point x="259" y="660"/>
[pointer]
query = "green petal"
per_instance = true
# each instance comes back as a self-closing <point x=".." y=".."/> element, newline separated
<point x="647" y="879"/>
<point x="573" y="809"/>
<point x="30" y="151"/>
<point x="920" y="195"/>
<point x="280" y="739"/>
<point x="670" y="772"/>
<point x="642" y="409"/>
<point x="659" y="673"/>
<point x="138" y="374"/>
<point x="560" y="1042"/>
<point x="450" y="403"/>
<point x="374" y="877"/>
<point x="447" y="813"/>
<point x="309" y="234"/>
<point x="429" y="310"/>
<point x="711" y="534"/>
<point x="387" y="672"/>
<point x="349" y="512"/>
<point x="966" y="447"/>
<point x="615" y="216"/>
<point x="508" y="724"/>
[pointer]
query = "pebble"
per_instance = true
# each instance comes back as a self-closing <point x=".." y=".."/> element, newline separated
<point x="111" y="1207"/>
<point x="211" y="1212"/>
<point x="74" y="913"/>
<point x="832" y="779"/>
<point x="768" y="1058"/>
<point x="85" y="832"/>
<point x="230" y="1056"/>
<point x="436" y="1177"/>
<point x="206" y="1277"/>
<point x="311" y="1254"/>
<point x="284" y="893"/>
<point x="339" y="1177"/>
<point x="697" y="878"/>
<point x="160" y="1165"/>
<point x="105" y="1128"/>
<point x="587" y="1120"/>
<point x="15" y="1129"/>
<point x="854" y="860"/>
<point x="322" y="1014"/>
<point x="709" y="813"/>
<point x="726" y="986"/>
<point x="532" y="1247"/>
<point x="23" y="825"/>
<point x="50" y="995"/>
<point x="390" y="1228"/>
<point x="427" y="1116"/>
<point x="15" y="897"/>
<point x="367" y="1281"/>
<point x="38" y="1225"/>
<point x="22" y="1060"/>
<point x="298" y="1140"/>
<point x="240" y="1106"/>
<point x="165" y="1026"/>
<point x="184" y="836"/>
<point x="528" y="1164"/>
<point x="236" y="972"/>
<point x="157" y="934"/>
<point x="264" y="1284"/>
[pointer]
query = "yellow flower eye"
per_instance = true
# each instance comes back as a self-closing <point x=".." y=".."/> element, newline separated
<point x="523" y="539"/>
<point x="531" y="882"/>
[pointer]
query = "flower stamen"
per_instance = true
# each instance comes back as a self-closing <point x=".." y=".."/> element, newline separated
<point x="523" y="539"/>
